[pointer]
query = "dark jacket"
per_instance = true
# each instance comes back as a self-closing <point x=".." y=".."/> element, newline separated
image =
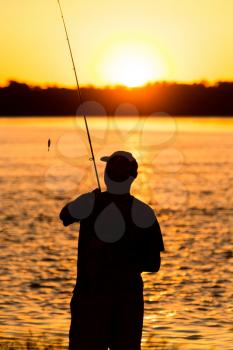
<point x="119" y="238"/>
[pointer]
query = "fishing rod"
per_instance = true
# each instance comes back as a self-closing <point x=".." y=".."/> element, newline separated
<point x="79" y="96"/>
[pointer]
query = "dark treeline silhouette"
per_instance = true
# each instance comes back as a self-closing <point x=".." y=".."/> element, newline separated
<point x="19" y="99"/>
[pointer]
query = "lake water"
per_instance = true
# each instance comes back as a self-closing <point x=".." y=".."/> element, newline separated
<point x="185" y="174"/>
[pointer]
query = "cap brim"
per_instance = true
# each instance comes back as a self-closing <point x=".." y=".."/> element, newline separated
<point x="104" y="159"/>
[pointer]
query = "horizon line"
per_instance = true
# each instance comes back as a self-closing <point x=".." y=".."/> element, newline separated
<point x="204" y="82"/>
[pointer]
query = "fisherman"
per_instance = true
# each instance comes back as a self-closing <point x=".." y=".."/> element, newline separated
<point x="119" y="239"/>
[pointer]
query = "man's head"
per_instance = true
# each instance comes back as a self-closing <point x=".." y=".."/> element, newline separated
<point x="120" y="171"/>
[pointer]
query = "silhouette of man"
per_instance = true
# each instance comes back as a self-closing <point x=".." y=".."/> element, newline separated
<point x="119" y="238"/>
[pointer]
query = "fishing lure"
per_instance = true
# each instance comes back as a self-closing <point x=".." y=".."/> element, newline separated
<point x="49" y="144"/>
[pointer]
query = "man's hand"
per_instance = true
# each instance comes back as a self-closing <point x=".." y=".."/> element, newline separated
<point x="66" y="217"/>
<point x="96" y="190"/>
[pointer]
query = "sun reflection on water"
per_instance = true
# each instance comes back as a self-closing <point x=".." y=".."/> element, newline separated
<point x="189" y="300"/>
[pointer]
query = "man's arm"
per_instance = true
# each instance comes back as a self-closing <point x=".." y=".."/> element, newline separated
<point x="152" y="246"/>
<point x="153" y="264"/>
<point x="78" y="209"/>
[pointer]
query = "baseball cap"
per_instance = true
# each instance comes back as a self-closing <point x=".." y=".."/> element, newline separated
<point x="120" y="165"/>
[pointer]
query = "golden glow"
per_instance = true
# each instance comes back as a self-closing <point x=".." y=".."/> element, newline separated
<point x="187" y="42"/>
<point x="131" y="63"/>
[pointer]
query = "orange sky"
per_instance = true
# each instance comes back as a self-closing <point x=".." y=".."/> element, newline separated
<point x="123" y="41"/>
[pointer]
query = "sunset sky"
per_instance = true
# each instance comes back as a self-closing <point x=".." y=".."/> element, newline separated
<point x="125" y="41"/>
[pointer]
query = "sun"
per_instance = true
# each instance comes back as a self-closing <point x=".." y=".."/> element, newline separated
<point x="131" y="68"/>
<point x="131" y="64"/>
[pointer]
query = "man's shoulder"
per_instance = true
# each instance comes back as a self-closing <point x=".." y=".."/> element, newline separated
<point x="142" y="214"/>
<point x="138" y="203"/>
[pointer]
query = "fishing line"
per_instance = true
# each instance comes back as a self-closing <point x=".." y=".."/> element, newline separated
<point x="79" y="95"/>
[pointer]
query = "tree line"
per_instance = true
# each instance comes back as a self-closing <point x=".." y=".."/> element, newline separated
<point x="20" y="99"/>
